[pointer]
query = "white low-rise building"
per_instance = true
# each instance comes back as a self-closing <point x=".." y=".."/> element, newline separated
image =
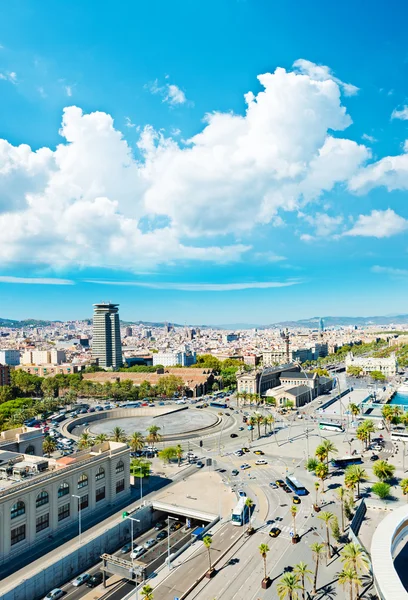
<point x="39" y="496"/>
<point x="387" y="366"/>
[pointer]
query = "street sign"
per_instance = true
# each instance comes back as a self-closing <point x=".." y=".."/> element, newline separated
<point x="291" y="533"/>
<point x="125" y="514"/>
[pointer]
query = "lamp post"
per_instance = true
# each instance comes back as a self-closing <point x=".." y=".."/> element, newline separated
<point x="79" y="516"/>
<point x="311" y="400"/>
<point x="131" y="546"/>
<point x="168" y="539"/>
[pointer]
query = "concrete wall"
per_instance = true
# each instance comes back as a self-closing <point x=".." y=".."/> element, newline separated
<point x="69" y="560"/>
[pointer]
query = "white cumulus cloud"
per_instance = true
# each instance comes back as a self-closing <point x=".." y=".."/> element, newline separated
<point x="379" y="224"/>
<point x="400" y="114"/>
<point x="85" y="202"/>
<point x="322" y="73"/>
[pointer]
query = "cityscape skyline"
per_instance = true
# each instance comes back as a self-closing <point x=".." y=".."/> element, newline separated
<point x="271" y="181"/>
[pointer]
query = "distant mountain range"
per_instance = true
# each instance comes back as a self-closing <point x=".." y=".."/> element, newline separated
<point x="312" y="323"/>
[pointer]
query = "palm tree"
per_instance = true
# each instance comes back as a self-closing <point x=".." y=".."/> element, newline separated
<point x="264" y="549"/>
<point x="270" y="420"/>
<point x="238" y="397"/>
<point x="321" y="453"/>
<point x="49" y="445"/>
<point x="353" y="557"/>
<point x="322" y="471"/>
<point x="327" y="517"/>
<point x="154" y="435"/>
<point x="265" y="423"/>
<point x="354" y="409"/>
<point x="252" y="421"/>
<point x="354" y="475"/>
<point x="388" y="414"/>
<point x="330" y="448"/>
<point x="136" y="441"/>
<point x="293" y="512"/>
<point x="85" y="441"/>
<point x="100" y="438"/>
<point x="118" y="434"/>
<point x="179" y="454"/>
<point x="349" y="577"/>
<point x="249" y="504"/>
<point x="207" y="541"/>
<point x="287" y="587"/>
<point x="317" y="550"/>
<point x="340" y="493"/>
<point x="147" y="592"/>
<point x="362" y="435"/>
<point x="258" y="421"/>
<point x="304" y="573"/>
<point x="369" y="428"/>
<point x="383" y="470"/>
<point x="317" y="488"/>
<point x="403" y="485"/>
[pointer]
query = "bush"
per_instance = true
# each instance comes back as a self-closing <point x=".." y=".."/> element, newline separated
<point x="381" y="489"/>
<point x="336" y="529"/>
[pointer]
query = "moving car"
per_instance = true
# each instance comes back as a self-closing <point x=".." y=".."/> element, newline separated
<point x="161" y="535"/>
<point x="234" y="435"/>
<point x="199" y="465"/>
<point x="138" y="551"/>
<point x="241" y="493"/>
<point x="238" y="453"/>
<point x="274" y="532"/>
<point x="176" y="526"/>
<point x="287" y="489"/>
<point x="235" y="472"/>
<point x="95" y="580"/>
<point x="159" y="525"/>
<point x="296" y="500"/>
<point x="126" y="548"/>
<point x="374" y="457"/>
<point x="240" y="429"/>
<point x="80" y="579"/>
<point x="261" y="461"/>
<point x="245" y="466"/>
<point x="259" y="452"/>
<point x="273" y="485"/>
<point x="150" y="543"/>
<point x="245" y="449"/>
<point x="280" y="482"/>
<point x="54" y="594"/>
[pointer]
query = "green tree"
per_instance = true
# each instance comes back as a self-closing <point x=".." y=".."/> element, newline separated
<point x="136" y="441"/>
<point x="264" y="549"/>
<point x="354" y="409"/>
<point x="377" y="376"/>
<point x="311" y="464"/>
<point x="207" y="541"/>
<point x="100" y="438"/>
<point x="329" y="448"/>
<point x="118" y="434"/>
<point x="153" y="435"/>
<point x="168" y="454"/>
<point x="322" y="472"/>
<point x="208" y="361"/>
<point x="321" y="452"/>
<point x="293" y="512"/>
<point x="252" y="421"/>
<point x="341" y="493"/>
<point x="362" y="435"/>
<point x="303" y="573"/>
<point x="258" y="420"/>
<point x="249" y="504"/>
<point x="353" y="476"/>
<point x="381" y="489"/>
<point x="85" y="441"/>
<point x="317" y="550"/>
<point x="6" y="393"/>
<point x="348" y="577"/>
<point x="287" y="587"/>
<point x="327" y="517"/>
<point x="170" y="384"/>
<point x="147" y="592"/>
<point x="354" y="558"/>
<point x="336" y="529"/>
<point x="354" y="371"/>
<point x="179" y="454"/>
<point x="49" y="445"/>
<point x="317" y="488"/>
<point x="383" y="470"/>
<point x="404" y="487"/>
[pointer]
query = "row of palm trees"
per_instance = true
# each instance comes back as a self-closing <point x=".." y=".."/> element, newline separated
<point x="136" y="441"/>
<point x="257" y="420"/>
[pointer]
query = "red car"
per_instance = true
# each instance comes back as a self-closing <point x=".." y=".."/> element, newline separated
<point x="144" y="404"/>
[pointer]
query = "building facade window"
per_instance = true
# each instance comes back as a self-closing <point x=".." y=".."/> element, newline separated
<point x="120" y="485"/>
<point x="63" y="490"/>
<point x="84" y="502"/>
<point x="42" y="499"/>
<point x="83" y="481"/>
<point x="120" y="467"/>
<point x="100" y="474"/>
<point x="63" y="512"/>
<point x="17" y="509"/>
<point x="18" y="534"/>
<point x="100" y="494"/>
<point x="42" y="522"/>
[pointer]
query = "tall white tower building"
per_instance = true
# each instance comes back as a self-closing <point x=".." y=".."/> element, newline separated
<point x="106" y="344"/>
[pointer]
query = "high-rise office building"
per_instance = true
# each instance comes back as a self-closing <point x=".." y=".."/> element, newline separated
<point x="106" y="345"/>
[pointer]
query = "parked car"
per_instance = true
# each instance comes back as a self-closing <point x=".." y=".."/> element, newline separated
<point x="138" y="551"/>
<point x="238" y="453"/>
<point x="54" y="594"/>
<point x="296" y="500"/>
<point x="234" y="435"/>
<point x="374" y="457"/>
<point x="81" y="579"/>
<point x="245" y="466"/>
<point x="95" y="580"/>
<point x="199" y="465"/>
<point x="235" y="472"/>
<point x="150" y="543"/>
<point x="261" y="461"/>
<point x="161" y="535"/>
<point x="259" y="452"/>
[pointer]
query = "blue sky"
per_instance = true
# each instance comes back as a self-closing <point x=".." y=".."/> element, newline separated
<point x="236" y="161"/>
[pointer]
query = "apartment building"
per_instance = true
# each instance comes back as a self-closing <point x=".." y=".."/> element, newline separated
<point x="39" y="496"/>
<point x="10" y="357"/>
<point x="171" y="359"/>
<point x="4" y="375"/>
<point x="106" y="343"/>
<point x="43" y="357"/>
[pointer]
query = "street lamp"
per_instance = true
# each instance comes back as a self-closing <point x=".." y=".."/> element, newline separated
<point x="168" y="540"/>
<point x="79" y="516"/>
<point x="131" y="546"/>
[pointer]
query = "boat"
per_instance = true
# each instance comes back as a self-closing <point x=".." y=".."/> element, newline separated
<point x="403" y="389"/>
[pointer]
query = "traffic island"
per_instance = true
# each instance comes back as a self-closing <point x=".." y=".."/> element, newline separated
<point x="316" y="508"/>
<point x="295" y="539"/>
<point x="210" y="573"/>
<point x="266" y="582"/>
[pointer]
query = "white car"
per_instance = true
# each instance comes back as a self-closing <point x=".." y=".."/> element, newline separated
<point x="54" y="594"/>
<point x="138" y="551"/>
<point x="261" y="461"/>
<point x="80" y="579"/>
<point x="150" y="543"/>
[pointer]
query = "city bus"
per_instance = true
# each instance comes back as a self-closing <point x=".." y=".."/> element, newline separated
<point x="218" y="404"/>
<point x="240" y="513"/>
<point x="399" y="436"/>
<point x="57" y="418"/>
<point x="346" y="461"/>
<point x="331" y="426"/>
<point x="296" y="486"/>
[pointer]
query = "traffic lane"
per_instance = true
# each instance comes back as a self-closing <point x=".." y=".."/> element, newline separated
<point x="160" y="550"/>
